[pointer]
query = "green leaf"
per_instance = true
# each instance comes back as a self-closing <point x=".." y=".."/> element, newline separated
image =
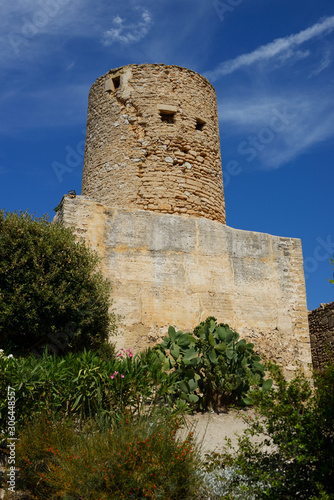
<point x="213" y="357"/>
<point x="221" y="347"/>
<point x="241" y="346"/>
<point x="183" y="386"/>
<point x="231" y="336"/>
<point x="175" y="351"/>
<point x="77" y="402"/>
<point x="183" y="341"/>
<point x="192" y="385"/>
<point x="211" y="340"/>
<point x="190" y="354"/>
<point x="267" y="384"/>
<point x="190" y="373"/>
<point x="172" y="333"/>
<point x="258" y="366"/>
<point x="212" y="326"/>
<point x="230" y="353"/>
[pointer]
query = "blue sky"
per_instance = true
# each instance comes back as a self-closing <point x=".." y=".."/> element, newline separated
<point x="271" y="62"/>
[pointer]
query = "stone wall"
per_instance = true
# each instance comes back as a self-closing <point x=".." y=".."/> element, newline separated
<point x="177" y="270"/>
<point x="153" y="207"/>
<point x="152" y="142"/>
<point x="321" y="322"/>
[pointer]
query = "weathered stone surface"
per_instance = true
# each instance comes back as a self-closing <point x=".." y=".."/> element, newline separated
<point x="169" y="269"/>
<point x="161" y="159"/>
<point x="153" y="207"/>
<point x="321" y="323"/>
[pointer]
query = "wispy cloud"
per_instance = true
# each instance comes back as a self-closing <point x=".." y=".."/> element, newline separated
<point x="308" y="121"/>
<point x="274" y="49"/>
<point x="127" y="33"/>
<point x="324" y="63"/>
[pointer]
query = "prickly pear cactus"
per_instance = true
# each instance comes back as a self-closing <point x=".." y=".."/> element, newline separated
<point x="212" y="364"/>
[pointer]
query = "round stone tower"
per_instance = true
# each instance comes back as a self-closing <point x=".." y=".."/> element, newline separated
<point x="152" y="142"/>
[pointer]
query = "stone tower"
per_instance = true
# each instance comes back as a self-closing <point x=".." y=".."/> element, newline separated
<point x="152" y="205"/>
<point x="152" y="142"/>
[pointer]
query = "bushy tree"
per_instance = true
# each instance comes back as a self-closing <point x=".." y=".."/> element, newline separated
<point x="51" y="290"/>
<point x="298" y="421"/>
<point x="332" y="262"/>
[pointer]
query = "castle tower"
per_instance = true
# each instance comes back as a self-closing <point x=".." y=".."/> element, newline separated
<point x="152" y="206"/>
<point x="152" y="142"/>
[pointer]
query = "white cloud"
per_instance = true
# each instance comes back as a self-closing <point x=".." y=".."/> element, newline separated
<point x="283" y="127"/>
<point x="324" y="63"/>
<point x="273" y="49"/>
<point x="127" y="33"/>
<point x="29" y="28"/>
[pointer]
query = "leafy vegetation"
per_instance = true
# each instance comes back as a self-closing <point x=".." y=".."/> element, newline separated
<point x="82" y="384"/>
<point x="213" y="366"/>
<point x="135" y="457"/>
<point x="51" y="291"/>
<point x="196" y="374"/>
<point x="93" y="427"/>
<point x="298" y="423"/>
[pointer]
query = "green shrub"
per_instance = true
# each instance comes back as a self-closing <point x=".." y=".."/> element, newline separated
<point x="213" y="367"/>
<point x="81" y="384"/>
<point x="51" y="291"/>
<point x="137" y="457"/>
<point x="298" y="422"/>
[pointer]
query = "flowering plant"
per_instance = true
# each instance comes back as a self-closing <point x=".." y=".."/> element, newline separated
<point x="115" y="375"/>
<point x="3" y="355"/>
<point x="125" y="353"/>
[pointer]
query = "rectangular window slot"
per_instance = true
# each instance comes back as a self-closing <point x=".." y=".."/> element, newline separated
<point x="200" y="124"/>
<point x="117" y="82"/>
<point x="167" y="117"/>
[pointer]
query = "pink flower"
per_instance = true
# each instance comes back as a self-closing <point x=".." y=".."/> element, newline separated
<point x="112" y="376"/>
<point x="122" y="376"/>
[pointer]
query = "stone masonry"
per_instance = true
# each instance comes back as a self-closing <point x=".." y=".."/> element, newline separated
<point x="321" y="323"/>
<point x="152" y="142"/>
<point x="152" y="205"/>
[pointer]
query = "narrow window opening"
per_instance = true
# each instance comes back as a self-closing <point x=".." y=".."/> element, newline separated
<point x="200" y="125"/>
<point x="117" y="82"/>
<point x="167" y="117"/>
